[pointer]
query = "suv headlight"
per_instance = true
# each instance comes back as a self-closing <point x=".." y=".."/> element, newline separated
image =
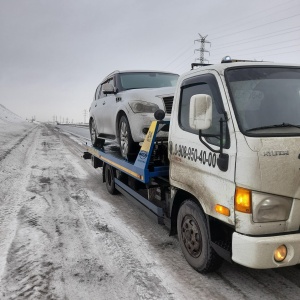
<point x="270" y="208"/>
<point x="143" y="107"/>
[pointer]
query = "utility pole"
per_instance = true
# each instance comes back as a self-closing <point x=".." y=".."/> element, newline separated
<point x="202" y="42"/>
<point x="84" y="115"/>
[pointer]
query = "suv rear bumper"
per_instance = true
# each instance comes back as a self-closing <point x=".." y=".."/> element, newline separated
<point x="258" y="252"/>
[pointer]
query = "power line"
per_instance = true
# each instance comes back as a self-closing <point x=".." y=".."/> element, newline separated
<point x="284" y="53"/>
<point x="185" y="51"/>
<point x="281" y="42"/>
<point x="265" y="36"/>
<point x="272" y="49"/>
<point x="256" y="13"/>
<point x="189" y="58"/>
<point x="258" y="26"/>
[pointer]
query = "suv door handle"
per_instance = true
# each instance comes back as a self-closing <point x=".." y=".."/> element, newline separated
<point x="103" y="103"/>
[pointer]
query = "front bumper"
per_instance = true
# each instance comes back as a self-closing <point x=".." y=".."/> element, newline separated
<point x="258" y="252"/>
<point x="139" y="123"/>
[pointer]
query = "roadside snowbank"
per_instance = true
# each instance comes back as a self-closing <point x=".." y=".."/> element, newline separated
<point x="13" y="130"/>
<point x="8" y="116"/>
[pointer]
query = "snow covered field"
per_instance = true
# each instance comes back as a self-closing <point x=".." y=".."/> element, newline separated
<point x="63" y="236"/>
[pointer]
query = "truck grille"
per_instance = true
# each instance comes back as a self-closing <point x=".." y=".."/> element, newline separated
<point x="168" y="101"/>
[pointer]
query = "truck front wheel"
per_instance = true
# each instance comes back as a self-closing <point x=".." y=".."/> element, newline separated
<point x="194" y="239"/>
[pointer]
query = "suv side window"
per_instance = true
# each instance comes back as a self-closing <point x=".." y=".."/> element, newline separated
<point x="97" y="93"/>
<point x="202" y="84"/>
<point x="111" y="81"/>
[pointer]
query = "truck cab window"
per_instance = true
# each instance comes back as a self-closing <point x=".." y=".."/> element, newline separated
<point x="266" y="100"/>
<point x="204" y="84"/>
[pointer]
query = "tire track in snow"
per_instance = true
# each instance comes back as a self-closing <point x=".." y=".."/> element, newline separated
<point x="29" y="267"/>
<point x="14" y="175"/>
<point x="16" y="144"/>
<point x="138" y="282"/>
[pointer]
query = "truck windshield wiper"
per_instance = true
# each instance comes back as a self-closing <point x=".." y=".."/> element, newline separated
<point x="274" y="126"/>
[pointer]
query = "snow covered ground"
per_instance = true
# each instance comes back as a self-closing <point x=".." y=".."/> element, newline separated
<point x="63" y="236"/>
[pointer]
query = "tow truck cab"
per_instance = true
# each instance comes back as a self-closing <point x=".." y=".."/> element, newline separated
<point x="234" y="150"/>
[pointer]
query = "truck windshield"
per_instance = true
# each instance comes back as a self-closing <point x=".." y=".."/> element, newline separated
<point x="141" y="80"/>
<point x="266" y="100"/>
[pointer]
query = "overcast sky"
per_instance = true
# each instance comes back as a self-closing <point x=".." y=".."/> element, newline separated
<point x="54" y="53"/>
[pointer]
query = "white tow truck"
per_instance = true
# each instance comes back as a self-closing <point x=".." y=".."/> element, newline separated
<point x="227" y="180"/>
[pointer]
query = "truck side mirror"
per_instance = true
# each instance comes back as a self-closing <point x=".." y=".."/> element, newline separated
<point x="200" y="116"/>
<point x="108" y="88"/>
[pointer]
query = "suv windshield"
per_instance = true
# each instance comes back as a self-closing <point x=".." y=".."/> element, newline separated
<point x="266" y="99"/>
<point x="141" y="80"/>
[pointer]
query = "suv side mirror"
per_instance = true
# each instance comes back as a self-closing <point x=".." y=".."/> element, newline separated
<point x="200" y="116"/>
<point x="108" y="88"/>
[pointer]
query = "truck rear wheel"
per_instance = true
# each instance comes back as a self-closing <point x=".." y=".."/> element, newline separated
<point x="194" y="239"/>
<point x="110" y="180"/>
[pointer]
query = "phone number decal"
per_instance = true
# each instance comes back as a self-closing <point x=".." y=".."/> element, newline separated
<point x="193" y="154"/>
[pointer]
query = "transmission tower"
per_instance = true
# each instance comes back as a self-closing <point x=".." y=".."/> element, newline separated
<point x="202" y="41"/>
<point x="84" y="115"/>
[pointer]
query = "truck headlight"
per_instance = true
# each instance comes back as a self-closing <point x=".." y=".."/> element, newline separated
<point x="143" y="107"/>
<point x="268" y="208"/>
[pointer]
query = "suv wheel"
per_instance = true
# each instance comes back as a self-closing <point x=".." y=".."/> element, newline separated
<point x="127" y="145"/>
<point x="94" y="135"/>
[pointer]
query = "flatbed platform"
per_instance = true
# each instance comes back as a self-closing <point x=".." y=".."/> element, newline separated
<point x="147" y="174"/>
<point x="142" y="169"/>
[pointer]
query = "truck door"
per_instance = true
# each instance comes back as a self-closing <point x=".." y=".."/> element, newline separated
<point x="193" y="167"/>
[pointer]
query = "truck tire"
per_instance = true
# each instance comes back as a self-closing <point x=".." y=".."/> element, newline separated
<point x="110" y="180"/>
<point x="127" y="145"/>
<point x="94" y="136"/>
<point x="194" y="239"/>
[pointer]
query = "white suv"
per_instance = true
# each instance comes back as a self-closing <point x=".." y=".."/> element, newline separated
<point x="124" y="106"/>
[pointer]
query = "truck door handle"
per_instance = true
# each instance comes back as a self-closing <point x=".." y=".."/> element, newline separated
<point x="103" y="103"/>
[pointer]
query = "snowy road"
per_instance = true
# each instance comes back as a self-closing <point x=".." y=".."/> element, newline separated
<point x="82" y="132"/>
<point x="63" y="236"/>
